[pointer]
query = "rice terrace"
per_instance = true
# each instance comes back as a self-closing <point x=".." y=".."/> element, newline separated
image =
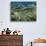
<point x="23" y="11"/>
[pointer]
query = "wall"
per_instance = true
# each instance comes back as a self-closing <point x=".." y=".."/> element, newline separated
<point x="39" y="44"/>
<point x="30" y="30"/>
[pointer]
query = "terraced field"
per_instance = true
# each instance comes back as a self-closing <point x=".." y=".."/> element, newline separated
<point x="23" y="14"/>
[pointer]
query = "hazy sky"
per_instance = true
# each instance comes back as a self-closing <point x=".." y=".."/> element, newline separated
<point x="30" y="30"/>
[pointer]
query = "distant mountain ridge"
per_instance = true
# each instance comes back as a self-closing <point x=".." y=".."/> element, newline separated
<point x="22" y="5"/>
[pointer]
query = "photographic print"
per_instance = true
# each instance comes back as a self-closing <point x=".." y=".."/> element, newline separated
<point x="23" y="11"/>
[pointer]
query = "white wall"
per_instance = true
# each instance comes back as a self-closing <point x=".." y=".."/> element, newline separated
<point x="30" y="30"/>
<point x="39" y="44"/>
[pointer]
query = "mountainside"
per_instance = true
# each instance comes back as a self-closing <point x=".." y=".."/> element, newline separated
<point x="21" y="11"/>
